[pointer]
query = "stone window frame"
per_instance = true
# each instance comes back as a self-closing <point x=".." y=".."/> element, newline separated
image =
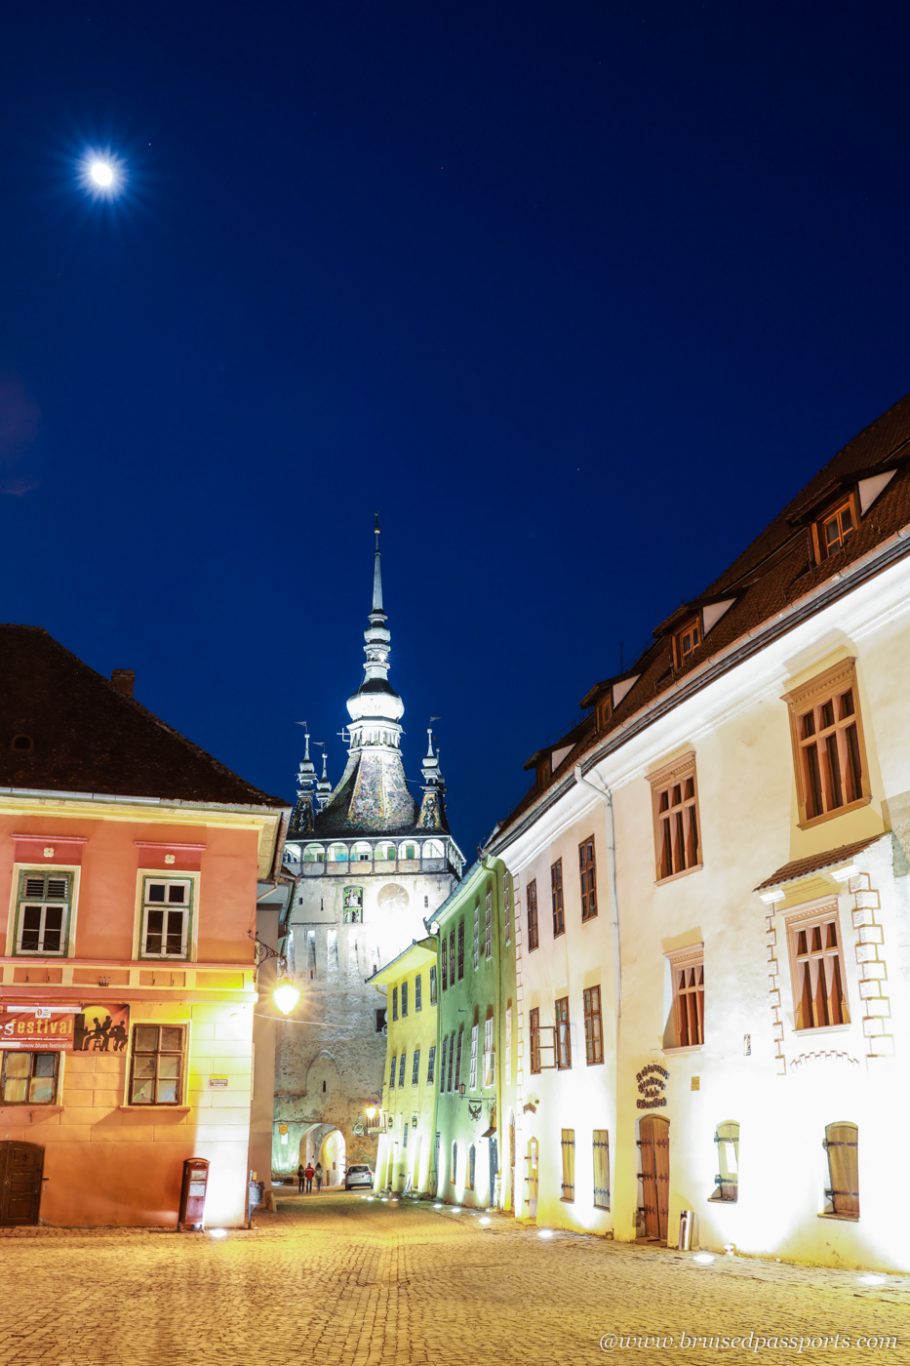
<point x="669" y="862"/>
<point x="807" y="918"/>
<point x="687" y="1016"/>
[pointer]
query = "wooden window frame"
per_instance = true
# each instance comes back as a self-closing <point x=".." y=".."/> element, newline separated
<point x="475" y="954"/>
<point x="817" y="782"/>
<point x="488" y="923"/>
<point x="567" y="1175"/>
<point x="472" y="1075"/>
<point x="43" y="904"/>
<point x="489" y="1053"/>
<point x="687" y="640"/>
<point x="533" y="917"/>
<point x="534" y="1059"/>
<point x="677" y="823"/>
<point x="594" y="1028"/>
<point x="563" y="1034"/>
<point x="461" y="949"/>
<point x="449" y="1082"/>
<point x="444" y="961"/>
<point x="687" y="969"/>
<point x="600" y="1143"/>
<point x="434" y="978"/>
<point x="458" y="1057"/>
<point x="443" y="1061"/>
<point x="506" y="909"/>
<point x="805" y="922"/>
<point x="587" y="878"/>
<point x="415" y="1067"/>
<point x="402" y="1067"/>
<point x="188" y="912"/>
<point x="137" y="1052"/>
<point x="395" y="1003"/>
<point x="603" y="712"/>
<point x="452" y="958"/>
<point x="557" y="899"/>
<point x="404" y="1000"/>
<point x="821" y="549"/>
<point x="431" y="1064"/>
<point x="5" y="1079"/>
<point x="418" y="992"/>
<point x="393" y="1071"/>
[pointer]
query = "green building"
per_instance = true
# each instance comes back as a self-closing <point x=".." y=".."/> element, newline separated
<point x="477" y="1040"/>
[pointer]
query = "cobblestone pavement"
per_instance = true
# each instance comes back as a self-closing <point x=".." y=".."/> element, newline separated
<point x="340" y="1280"/>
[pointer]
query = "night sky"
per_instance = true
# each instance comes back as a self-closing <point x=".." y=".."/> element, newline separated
<point x="575" y="295"/>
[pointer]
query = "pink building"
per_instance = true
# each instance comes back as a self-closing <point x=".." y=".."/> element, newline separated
<point x="129" y="861"/>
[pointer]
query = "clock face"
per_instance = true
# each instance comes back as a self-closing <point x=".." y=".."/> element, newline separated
<point x="393" y="897"/>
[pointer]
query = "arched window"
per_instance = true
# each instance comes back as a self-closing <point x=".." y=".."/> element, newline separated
<point x="472" y="1166"/>
<point x="313" y="853"/>
<point x="453" y="1170"/>
<point x="726" y="1182"/>
<point x="362" y="852"/>
<point x="385" y="851"/>
<point x="432" y="849"/>
<point x="842" y="1147"/>
<point x="407" y="851"/>
<point x="338" y="853"/>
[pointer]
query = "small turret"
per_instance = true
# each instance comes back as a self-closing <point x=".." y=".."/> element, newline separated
<point x="323" y="786"/>
<point x="303" y="816"/>
<point x="432" y="807"/>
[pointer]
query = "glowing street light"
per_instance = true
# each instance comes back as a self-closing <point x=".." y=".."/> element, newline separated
<point x="286" y="995"/>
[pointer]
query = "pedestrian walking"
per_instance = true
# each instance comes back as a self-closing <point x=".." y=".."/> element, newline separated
<point x="309" y="1174"/>
<point x="300" y="1176"/>
<point x="318" y="1177"/>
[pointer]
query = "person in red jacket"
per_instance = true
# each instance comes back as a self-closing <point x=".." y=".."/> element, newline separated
<point x="309" y="1174"/>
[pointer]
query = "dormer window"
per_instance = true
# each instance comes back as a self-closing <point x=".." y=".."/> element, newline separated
<point x="604" y="711"/>
<point x="834" y="528"/>
<point x="686" y="641"/>
<point x="544" y="770"/>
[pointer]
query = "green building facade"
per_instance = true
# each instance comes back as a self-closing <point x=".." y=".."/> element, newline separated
<point x="477" y="1040"/>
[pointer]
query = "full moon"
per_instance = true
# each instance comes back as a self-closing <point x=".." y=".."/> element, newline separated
<point x="102" y="174"/>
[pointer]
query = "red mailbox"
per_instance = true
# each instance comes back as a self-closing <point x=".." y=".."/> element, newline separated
<point x="192" y="1193"/>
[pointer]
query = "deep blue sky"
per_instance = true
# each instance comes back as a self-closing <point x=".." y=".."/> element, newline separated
<point x="575" y="295"/>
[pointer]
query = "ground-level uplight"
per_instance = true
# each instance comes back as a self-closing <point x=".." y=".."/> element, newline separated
<point x="872" y="1278"/>
<point x="545" y="1233"/>
<point x="485" y="1221"/>
<point x="437" y="1206"/>
<point x="703" y="1258"/>
<point x="217" y="1232"/>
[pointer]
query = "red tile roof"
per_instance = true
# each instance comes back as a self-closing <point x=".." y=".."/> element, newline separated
<point x="801" y="867"/>
<point x="773" y="573"/>
<point x="86" y="736"/>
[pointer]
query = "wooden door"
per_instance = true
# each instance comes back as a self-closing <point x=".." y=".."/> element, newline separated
<point x="21" y="1169"/>
<point x="654" y="1146"/>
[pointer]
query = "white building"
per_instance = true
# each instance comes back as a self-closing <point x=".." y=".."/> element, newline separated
<point x="370" y="864"/>
<point x="717" y="863"/>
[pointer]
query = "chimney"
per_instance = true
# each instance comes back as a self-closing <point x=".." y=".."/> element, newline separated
<point x="123" y="680"/>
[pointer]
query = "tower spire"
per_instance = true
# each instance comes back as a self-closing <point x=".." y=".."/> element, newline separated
<point x="377" y="569"/>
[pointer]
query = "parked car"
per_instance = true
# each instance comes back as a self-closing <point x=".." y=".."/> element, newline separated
<point x="358" y="1175"/>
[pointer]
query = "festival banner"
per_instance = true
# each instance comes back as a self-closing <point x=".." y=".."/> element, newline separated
<point x="37" y="1029"/>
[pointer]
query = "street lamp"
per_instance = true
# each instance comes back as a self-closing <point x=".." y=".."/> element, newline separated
<point x="285" y="993"/>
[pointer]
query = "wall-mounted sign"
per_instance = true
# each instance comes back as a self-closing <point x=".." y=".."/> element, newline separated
<point x="218" y="1083"/>
<point x="652" y="1083"/>
<point x="357" y="1128"/>
<point x="102" y="1029"/>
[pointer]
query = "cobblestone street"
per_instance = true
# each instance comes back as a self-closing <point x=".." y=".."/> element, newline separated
<point x="339" y="1279"/>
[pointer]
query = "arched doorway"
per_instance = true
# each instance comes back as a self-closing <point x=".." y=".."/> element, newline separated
<point x="324" y="1143"/>
<point x="654" y="1146"/>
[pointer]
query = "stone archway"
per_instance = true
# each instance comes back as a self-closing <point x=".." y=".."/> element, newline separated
<point x="324" y="1143"/>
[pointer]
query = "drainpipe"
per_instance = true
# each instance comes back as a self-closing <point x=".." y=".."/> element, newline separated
<point x="606" y="796"/>
<point x="489" y="864"/>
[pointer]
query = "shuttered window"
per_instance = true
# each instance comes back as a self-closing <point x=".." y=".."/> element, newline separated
<point x="461" y="949"/>
<point x="488" y="924"/>
<point x="431" y="1064"/>
<point x="418" y="991"/>
<point x="442" y="1069"/>
<point x="452" y="956"/>
<point x="472" y="1085"/>
<point x="444" y="956"/>
<point x="533" y="925"/>
<point x="534" y="1038"/>
<point x="726" y="1182"/>
<point x="489" y="1056"/>
<point x="819" y="994"/>
<point x="401" y="1066"/>
<point x="594" y="1033"/>
<point x="506" y="909"/>
<point x="567" y="1185"/>
<point x="476" y="953"/>
<point x="44" y="909"/>
<point x="601" y="1145"/>
<point x="458" y="1056"/>
<point x="432" y="986"/>
<point x="842" y="1147"/>
<point x="559" y="909"/>
<point x="587" y="872"/>
<point x="393" y="1069"/>
<point x="415" y="1070"/>
<point x="563" y="1036"/>
<point x="394" y="1003"/>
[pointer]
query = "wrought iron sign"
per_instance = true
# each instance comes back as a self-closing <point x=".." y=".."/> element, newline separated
<point x="652" y="1083"/>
